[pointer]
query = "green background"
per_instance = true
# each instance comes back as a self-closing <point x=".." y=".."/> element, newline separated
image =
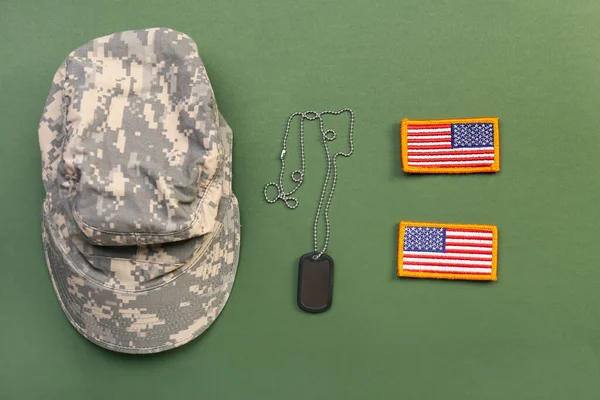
<point x="533" y="334"/>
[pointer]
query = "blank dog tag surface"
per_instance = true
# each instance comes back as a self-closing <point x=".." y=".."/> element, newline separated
<point x="315" y="283"/>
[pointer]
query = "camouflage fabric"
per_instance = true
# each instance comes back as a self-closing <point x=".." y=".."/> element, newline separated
<point x="140" y="226"/>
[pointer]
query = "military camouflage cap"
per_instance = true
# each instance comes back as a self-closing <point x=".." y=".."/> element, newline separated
<point x="141" y="228"/>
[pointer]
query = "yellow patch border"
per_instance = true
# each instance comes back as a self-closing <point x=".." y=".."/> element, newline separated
<point x="435" y="275"/>
<point x="495" y="167"/>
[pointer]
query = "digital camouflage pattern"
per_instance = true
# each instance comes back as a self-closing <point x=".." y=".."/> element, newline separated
<point x="141" y="228"/>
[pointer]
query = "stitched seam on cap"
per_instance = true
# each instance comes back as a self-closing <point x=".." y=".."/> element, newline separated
<point x="137" y="235"/>
<point x="181" y="271"/>
<point x="130" y="260"/>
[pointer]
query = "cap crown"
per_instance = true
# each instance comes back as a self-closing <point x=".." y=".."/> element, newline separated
<point x="134" y="156"/>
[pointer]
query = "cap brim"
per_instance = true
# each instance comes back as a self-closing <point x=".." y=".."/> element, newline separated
<point x="155" y="320"/>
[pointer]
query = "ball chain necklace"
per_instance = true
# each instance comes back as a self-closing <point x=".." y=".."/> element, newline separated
<point x="315" y="270"/>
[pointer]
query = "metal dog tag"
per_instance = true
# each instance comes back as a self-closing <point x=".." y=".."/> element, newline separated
<point x="315" y="283"/>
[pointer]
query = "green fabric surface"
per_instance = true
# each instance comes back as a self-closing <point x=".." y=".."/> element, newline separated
<point x="533" y="334"/>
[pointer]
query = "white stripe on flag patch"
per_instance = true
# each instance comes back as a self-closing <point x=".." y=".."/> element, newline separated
<point x="489" y="249"/>
<point x="450" y="255"/>
<point x="450" y="156"/>
<point x="428" y="137"/>
<point x="470" y="241"/>
<point x="429" y="130"/>
<point x="453" y="162"/>
<point x="438" y="261"/>
<point x="448" y="269"/>
<point x="450" y="232"/>
<point x="430" y="143"/>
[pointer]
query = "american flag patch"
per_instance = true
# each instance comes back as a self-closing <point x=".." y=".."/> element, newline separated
<point x="447" y="251"/>
<point x="450" y="146"/>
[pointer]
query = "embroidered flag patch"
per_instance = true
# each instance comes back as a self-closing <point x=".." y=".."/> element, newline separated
<point x="450" y="146"/>
<point x="447" y="251"/>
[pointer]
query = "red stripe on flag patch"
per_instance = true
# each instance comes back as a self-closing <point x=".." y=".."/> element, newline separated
<point x="458" y="236"/>
<point x="467" y="230"/>
<point x="458" y="272"/>
<point x="430" y="126"/>
<point x="427" y="140"/>
<point x="451" y="153"/>
<point x="417" y="134"/>
<point x="457" y="165"/>
<point x="468" y="251"/>
<point x="446" y="264"/>
<point x="446" y="160"/>
<point x="451" y="257"/>
<point x="436" y="146"/>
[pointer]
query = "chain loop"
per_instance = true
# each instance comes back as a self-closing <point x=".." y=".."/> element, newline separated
<point x="298" y="175"/>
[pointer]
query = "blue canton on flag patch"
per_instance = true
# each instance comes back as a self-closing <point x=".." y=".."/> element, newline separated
<point x="424" y="239"/>
<point x="472" y="135"/>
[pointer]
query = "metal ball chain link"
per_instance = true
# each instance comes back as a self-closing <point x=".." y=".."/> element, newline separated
<point x="298" y="175"/>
